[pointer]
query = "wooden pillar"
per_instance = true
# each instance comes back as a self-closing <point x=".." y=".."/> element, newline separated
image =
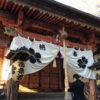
<point x="65" y="68"/>
<point x="92" y="90"/>
<point x="64" y="36"/>
<point x="12" y="90"/>
<point x="1" y="61"/>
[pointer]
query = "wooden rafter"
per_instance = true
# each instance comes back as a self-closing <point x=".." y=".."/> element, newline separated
<point x="10" y="20"/>
<point x="13" y="7"/>
<point x="16" y="9"/>
<point x="31" y="12"/>
<point x="28" y="12"/>
<point x="5" y="6"/>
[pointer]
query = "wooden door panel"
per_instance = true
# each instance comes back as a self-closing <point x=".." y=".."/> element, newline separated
<point x="48" y="79"/>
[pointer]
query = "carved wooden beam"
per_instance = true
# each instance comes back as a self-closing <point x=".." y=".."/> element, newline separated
<point x="97" y="41"/>
<point x="4" y="40"/>
<point x="10" y="31"/>
<point x="79" y="36"/>
<point x="40" y="25"/>
<point x="50" y="39"/>
<point x="7" y="19"/>
<point x="10" y="20"/>
<point x="3" y="44"/>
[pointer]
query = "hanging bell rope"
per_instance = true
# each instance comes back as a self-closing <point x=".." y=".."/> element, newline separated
<point x="64" y="36"/>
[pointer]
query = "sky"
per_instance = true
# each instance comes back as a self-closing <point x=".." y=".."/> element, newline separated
<point x="89" y="6"/>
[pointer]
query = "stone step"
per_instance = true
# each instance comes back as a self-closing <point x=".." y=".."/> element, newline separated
<point x="41" y="96"/>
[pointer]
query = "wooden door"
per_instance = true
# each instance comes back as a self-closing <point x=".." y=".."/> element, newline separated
<point x="48" y="79"/>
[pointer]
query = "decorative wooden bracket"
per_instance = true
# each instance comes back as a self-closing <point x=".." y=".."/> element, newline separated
<point x="10" y="31"/>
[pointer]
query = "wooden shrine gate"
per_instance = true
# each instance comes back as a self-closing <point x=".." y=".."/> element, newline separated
<point x="48" y="79"/>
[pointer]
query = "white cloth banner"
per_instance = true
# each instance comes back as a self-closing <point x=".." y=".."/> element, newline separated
<point x="48" y="52"/>
<point x="19" y="42"/>
<point x="44" y="53"/>
<point x="79" y="61"/>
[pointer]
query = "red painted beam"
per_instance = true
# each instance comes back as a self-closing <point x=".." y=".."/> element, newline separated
<point x="39" y="25"/>
<point x="10" y="20"/>
<point x="49" y="39"/>
<point x="7" y="19"/>
<point x="82" y="38"/>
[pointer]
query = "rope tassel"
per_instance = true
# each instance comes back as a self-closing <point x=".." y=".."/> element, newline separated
<point x="54" y="63"/>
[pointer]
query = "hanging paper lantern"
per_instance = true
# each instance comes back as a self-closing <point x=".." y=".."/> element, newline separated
<point x="18" y="68"/>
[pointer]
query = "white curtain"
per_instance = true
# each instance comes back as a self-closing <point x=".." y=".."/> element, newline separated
<point x="79" y="61"/>
<point x="48" y="52"/>
<point x="44" y="53"/>
<point x="19" y="42"/>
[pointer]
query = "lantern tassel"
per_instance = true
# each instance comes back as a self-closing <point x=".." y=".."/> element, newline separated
<point x="54" y="63"/>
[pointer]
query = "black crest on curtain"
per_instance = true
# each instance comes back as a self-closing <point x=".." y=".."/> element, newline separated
<point x="35" y="57"/>
<point x="82" y="62"/>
